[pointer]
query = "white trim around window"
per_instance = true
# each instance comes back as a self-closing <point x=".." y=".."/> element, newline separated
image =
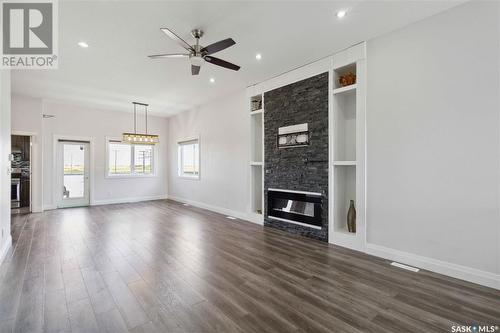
<point x="132" y="174"/>
<point x="196" y="158"/>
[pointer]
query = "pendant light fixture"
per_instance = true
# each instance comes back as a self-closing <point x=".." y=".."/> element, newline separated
<point x="136" y="138"/>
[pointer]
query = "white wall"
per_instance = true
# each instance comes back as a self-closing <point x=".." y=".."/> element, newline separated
<point x="224" y="131"/>
<point x="5" y="238"/>
<point x="97" y="124"/>
<point x="433" y="138"/>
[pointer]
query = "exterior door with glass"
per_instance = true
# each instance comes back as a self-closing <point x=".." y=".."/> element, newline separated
<point x="73" y="173"/>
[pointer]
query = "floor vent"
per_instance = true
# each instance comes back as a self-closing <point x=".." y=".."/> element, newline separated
<point x="408" y="268"/>
<point x="230" y="217"/>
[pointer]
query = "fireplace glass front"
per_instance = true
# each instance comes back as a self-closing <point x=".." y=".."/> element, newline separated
<point x="302" y="207"/>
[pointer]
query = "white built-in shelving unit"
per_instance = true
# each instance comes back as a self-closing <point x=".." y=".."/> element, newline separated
<point x="347" y="148"/>
<point x="346" y="142"/>
<point x="256" y="111"/>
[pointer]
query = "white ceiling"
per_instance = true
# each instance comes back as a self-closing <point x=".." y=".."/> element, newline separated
<point x="115" y="69"/>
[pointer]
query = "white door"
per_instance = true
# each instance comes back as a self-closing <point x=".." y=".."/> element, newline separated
<point x="73" y="171"/>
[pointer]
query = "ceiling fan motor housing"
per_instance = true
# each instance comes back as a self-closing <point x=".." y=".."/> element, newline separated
<point x="197" y="33"/>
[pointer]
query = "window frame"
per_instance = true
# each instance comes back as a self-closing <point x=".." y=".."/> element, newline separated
<point x="187" y="141"/>
<point x="133" y="174"/>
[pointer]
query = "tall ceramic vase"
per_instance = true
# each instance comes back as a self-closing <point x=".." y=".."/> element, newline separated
<point x="351" y="217"/>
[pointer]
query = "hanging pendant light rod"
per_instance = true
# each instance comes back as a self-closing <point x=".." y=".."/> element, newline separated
<point x="140" y="138"/>
<point x="135" y="119"/>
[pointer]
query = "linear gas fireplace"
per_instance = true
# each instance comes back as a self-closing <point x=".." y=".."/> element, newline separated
<point x="303" y="208"/>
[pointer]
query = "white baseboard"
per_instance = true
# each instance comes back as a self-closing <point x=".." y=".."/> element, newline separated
<point x="442" y="267"/>
<point x="216" y="209"/>
<point x="128" y="200"/>
<point x="49" y="207"/>
<point x="37" y="209"/>
<point x="5" y="248"/>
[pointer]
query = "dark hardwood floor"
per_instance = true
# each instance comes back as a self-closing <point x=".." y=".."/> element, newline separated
<point x="162" y="267"/>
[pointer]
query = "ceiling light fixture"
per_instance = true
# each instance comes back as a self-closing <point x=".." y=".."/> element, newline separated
<point x="212" y="80"/>
<point x="258" y="56"/>
<point x="83" y="45"/>
<point x="341" y="13"/>
<point x="136" y="138"/>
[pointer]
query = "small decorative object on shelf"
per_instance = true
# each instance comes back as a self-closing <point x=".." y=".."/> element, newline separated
<point x="347" y="79"/>
<point x="256" y="103"/>
<point x="351" y="218"/>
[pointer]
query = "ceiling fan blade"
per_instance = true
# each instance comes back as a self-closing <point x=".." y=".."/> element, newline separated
<point x="195" y="70"/>
<point x="177" y="39"/>
<point x="222" y="63"/>
<point x="169" y="55"/>
<point x="219" y="46"/>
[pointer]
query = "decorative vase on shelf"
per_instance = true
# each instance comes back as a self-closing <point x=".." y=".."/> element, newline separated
<point x="351" y="217"/>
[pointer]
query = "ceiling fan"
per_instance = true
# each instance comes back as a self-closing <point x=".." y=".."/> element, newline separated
<point x="198" y="54"/>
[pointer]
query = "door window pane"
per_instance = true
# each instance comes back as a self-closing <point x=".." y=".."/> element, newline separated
<point x="74" y="171"/>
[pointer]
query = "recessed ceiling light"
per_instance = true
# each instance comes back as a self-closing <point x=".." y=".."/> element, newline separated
<point x="83" y="44"/>
<point x="341" y="13"/>
<point x="258" y="56"/>
<point x="212" y="80"/>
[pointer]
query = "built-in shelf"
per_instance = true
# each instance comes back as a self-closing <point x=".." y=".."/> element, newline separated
<point x="345" y="89"/>
<point x="347" y="126"/>
<point x="257" y="132"/>
<point x="344" y="126"/>
<point x="344" y="192"/>
<point x="344" y="163"/>
<point x="257" y="190"/>
<point x="343" y="70"/>
<point x="256" y="103"/>
<point x="345" y="232"/>
<point x="256" y="157"/>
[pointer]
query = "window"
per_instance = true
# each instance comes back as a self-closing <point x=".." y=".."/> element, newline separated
<point x="189" y="159"/>
<point x="143" y="159"/>
<point x="126" y="159"/>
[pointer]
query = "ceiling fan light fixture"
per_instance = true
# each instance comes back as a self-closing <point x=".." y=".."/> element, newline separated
<point x="196" y="60"/>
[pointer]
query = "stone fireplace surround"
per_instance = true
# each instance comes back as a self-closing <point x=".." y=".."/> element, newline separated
<point x="300" y="168"/>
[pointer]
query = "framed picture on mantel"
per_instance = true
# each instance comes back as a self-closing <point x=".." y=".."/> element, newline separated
<point x="293" y="136"/>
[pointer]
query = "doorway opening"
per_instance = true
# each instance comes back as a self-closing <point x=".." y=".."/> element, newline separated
<point x="21" y="164"/>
